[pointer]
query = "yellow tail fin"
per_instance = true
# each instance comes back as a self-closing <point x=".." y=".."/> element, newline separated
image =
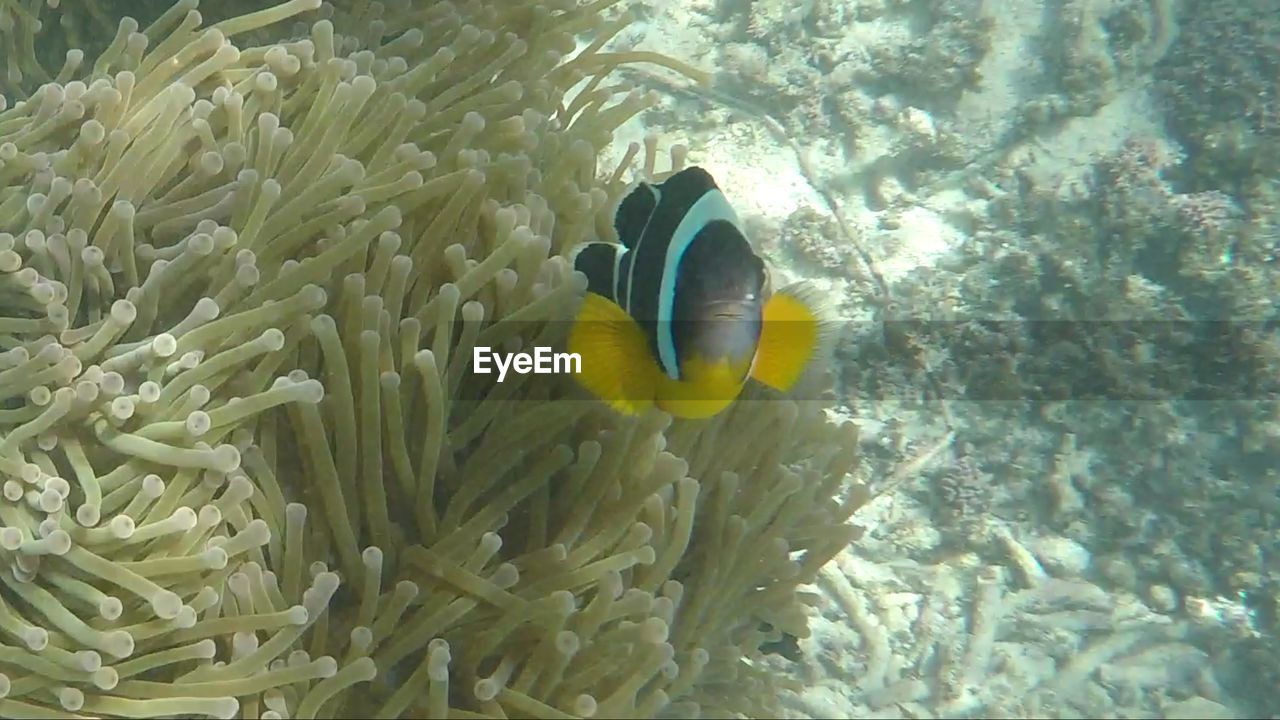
<point x="616" y="364"/>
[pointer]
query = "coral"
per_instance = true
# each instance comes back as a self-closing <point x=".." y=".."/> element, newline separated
<point x="1094" y="50"/>
<point x="967" y="638"/>
<point x="1132" y="310"/>
<point x="964" y="498"/>
<point x="1231" y="127"/>
<point x="806" y="238"/>
<point x="941" y="60"/>
<point x="247" y="471"/>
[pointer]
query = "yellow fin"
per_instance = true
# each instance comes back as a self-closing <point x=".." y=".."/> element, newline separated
<point x="616" y="363"/>
<point x="708" y="388"/>
<point x="789" y="337"/>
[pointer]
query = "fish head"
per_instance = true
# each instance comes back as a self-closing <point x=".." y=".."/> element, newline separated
<point x="723" y="307"/>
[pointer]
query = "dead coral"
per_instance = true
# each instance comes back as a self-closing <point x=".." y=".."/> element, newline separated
<point x="941" y="60"/>
<point x="1230" y="125"/>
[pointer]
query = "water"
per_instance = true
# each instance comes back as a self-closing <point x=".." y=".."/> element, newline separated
<point x="246" y="443"/>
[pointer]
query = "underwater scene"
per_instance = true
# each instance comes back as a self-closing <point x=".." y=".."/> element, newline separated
<point x="639" y="359"/>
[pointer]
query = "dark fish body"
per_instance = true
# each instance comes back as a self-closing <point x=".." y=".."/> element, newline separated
<point x="679" y="305"/>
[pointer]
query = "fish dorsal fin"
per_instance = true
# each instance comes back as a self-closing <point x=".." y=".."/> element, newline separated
<point x="599" y="261"/>
<point x="632" y="216"/>
<point x="685" y="188"/>
<point x="681" y="191"/>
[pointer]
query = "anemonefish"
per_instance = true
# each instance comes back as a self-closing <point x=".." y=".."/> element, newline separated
<point x="679" y="314"/>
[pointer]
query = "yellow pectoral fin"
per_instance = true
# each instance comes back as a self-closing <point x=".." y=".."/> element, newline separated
<point x="616" y="365"/>
<point x="788" y="340"/>
<point x="708" y="389"/>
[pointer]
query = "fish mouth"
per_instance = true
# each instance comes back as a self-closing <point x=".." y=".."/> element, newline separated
<point x="726" y="310"/>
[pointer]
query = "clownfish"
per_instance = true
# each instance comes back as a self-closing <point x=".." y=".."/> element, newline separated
<point x="679" y="314"/>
